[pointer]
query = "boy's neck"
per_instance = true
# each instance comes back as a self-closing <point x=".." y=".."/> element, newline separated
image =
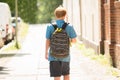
<point x="62" y="18"/>
<point x="59" y="19"/>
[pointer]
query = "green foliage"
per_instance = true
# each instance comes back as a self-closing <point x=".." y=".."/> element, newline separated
<point x="104" y="60"/>
<point x="46" y="10"/>
<point x="27" y="9"/>
<point x="89" y="52"/>
<point x="114" y="72"/>
<point x="24" y="31"/>
<point x="34" y="11"/>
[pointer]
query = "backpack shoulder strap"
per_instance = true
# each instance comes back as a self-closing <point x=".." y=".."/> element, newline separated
<point x="64" y="25"/>
<point x="55" y="26"/>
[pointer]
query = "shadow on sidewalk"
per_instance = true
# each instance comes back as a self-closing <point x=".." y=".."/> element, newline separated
<point x="3" y="70"/>
<point x="3" y="55"/>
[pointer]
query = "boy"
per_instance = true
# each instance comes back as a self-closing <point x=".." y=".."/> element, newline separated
<point x="59" y="66"/>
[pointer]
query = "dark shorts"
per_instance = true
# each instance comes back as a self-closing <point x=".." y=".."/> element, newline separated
<point x="58" y="68"/>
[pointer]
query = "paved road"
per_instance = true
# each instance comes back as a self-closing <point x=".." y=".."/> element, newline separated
<point x="29" y="63"/>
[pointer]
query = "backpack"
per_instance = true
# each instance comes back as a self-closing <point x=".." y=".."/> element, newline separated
<point x="59" y="42"/>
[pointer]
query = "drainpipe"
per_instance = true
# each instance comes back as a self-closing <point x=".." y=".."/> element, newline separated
<point x="102" y="22"/>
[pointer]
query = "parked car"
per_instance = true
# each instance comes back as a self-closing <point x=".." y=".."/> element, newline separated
<point x="6" y="33"/>
<point x="1" y="40"/>
<point x="19" y="21"/>
<point x="13" y="20"/>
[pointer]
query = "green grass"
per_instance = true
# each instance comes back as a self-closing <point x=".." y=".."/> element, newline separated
<point x="24" y="30"/>
<point x="113" y="71"/>
<point x="12" y="47"/>
<point x="104" y="60"/>
<point x="89" y="52"/>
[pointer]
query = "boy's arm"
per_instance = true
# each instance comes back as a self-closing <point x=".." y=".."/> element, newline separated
<point x="73" y="40"/>
<point x="47" y="47"/>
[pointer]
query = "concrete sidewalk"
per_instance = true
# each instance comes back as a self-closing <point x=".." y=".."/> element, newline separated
<point x="30" y="66"/>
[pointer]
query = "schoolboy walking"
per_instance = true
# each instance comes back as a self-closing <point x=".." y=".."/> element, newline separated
<point x="60" y="64"/>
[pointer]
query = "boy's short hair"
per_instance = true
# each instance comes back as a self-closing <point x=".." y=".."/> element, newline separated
<point x="60" y="12"/>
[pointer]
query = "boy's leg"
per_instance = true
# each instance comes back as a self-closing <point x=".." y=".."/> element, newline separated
<point x="58" y="68"/>
<point x="55" y="69"/>
<point x="56" y="78"/>
<point x="66" y="77"/>
<point x="66" y="69"/>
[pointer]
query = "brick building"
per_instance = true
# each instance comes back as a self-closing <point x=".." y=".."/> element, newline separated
<point x="110" y="18"/>
<point x="97" y="23"/>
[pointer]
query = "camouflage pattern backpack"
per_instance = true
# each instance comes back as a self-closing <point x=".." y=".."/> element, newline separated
<point x="59" y="42"/>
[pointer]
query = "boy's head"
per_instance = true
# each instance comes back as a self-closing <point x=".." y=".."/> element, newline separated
<point x="60" y="12"/>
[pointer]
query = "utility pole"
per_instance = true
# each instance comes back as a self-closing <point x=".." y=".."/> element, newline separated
<point x="16" y="29"/>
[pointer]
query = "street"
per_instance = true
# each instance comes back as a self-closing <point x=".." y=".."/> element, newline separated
<point x="29" y="62"/>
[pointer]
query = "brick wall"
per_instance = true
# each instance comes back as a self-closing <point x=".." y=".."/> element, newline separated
<point x="117" y="34"/>
<point x="112" y="31"/>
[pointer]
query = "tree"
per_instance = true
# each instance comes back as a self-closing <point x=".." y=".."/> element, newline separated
<point x="34" y="11"/>
<point x="27" y="9"/>
<point x="46" y="10"/>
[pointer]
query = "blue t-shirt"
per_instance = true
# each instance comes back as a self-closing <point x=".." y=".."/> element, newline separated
<point x="71" y="33"/>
